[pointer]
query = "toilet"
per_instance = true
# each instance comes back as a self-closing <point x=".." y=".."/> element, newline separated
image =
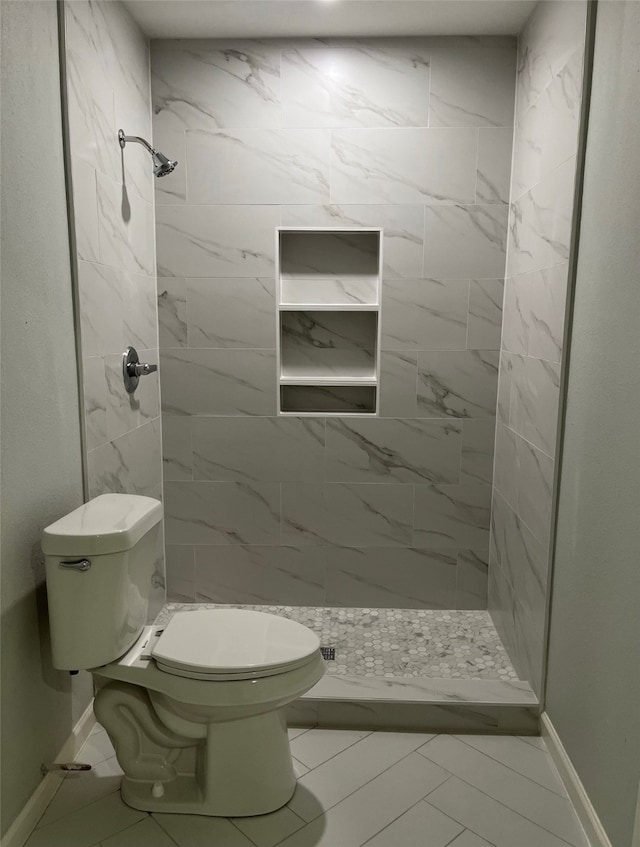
<point x="194" y="709"/>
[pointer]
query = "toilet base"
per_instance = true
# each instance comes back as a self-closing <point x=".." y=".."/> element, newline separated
<point x="242" y="768"/>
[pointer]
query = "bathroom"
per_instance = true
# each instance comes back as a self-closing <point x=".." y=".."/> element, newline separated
<point x="385" y="287"/>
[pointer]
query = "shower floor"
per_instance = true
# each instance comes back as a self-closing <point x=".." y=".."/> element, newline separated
<point x="397" y="643"/>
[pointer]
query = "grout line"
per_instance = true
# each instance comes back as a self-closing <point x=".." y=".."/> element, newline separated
<point x="387" y="825"/>
<point x="152" y="815"/>
<point x="466" y="828"/>
<point x="353" y="744"/>
<point x="513" y="770"/>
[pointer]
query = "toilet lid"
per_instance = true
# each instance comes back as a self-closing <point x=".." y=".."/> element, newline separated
<point x="232" y="642"/>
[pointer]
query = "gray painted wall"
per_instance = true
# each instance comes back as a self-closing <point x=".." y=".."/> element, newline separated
<point x="548" y="100"/>
<point x="41" y="453"/>
<point x="413" y="135"/>
<point x="107" y="61"/>
<point x="593" y="691"/>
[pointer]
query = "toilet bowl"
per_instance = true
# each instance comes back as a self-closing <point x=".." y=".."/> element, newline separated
<point x="195" y="709"/>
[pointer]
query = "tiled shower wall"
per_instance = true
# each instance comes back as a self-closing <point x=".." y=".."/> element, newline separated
<point x="413" y="135"/>
<point x="549" y="87"/>
<point x="107" y="63"/>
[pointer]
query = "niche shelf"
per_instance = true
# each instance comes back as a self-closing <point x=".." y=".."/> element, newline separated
<point x="328" y="313"/>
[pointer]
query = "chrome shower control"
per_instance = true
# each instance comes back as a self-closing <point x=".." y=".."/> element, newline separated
<point x="133" y="369"/>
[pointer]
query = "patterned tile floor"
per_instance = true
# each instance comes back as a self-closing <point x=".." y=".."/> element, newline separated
<point x="407" y="643"/>
<point x="379" y="789"/>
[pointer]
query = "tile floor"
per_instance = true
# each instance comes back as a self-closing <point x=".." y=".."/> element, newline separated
<point x="407" y="643"/>
<point x="381" y="789"/>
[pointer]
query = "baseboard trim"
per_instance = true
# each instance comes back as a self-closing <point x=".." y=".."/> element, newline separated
<point x="587" y="815"/>
<point x="27" y="820"/>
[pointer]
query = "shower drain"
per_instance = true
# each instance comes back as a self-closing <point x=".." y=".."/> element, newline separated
<point x="328" y="653"/>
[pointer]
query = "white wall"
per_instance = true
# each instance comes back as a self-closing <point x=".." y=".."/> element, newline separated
<point x="593" y="696"/>
<point x="41" y="454"/>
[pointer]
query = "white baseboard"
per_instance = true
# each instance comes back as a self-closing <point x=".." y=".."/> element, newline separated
<point x="575" y="789"/>
<point x="27" y="820"/>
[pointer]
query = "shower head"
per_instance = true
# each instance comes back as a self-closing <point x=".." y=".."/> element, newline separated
<point x="161" y="165"/>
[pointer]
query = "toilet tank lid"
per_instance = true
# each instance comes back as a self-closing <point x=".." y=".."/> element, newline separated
<point x="109" y="523"/>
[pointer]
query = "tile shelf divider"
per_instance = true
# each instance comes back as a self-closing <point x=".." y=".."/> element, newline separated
<point x="345" y="262"/>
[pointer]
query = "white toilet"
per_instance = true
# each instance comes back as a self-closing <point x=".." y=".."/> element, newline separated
<point x="194" y="709"/>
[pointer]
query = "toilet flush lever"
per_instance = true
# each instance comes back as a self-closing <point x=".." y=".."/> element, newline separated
<point x="80" y="565"/>
<point x="133" y="369"/>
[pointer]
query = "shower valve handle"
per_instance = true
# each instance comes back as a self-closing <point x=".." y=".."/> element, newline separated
<point x="133" y="369"/>
<point x="142" y="369"/>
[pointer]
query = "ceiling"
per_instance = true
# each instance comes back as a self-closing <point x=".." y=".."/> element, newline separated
<point x="324" y="18"/>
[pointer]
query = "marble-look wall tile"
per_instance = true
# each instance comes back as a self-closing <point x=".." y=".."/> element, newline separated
<point x="212" y="84"/>
<point x="505" y="474"/>
<point x="258" y="166"/>
<point x="535" y="392"/>
<point x="392" y="450"/>
<point x="222" y="512"/>
<point x="472" y="85"/>
<point x="259" y="574"/>
<point x="218" y="382"/>
<point x="172" y="188"/>
<point x="504" y="387"/>
<point x="460" y="384"/>
<point x="472" y="580"/>
<point x="258" y="449"/>
<point x="476" y="459"/>
<point x="485" y="314"/>
<point x="140" y="311"/>
<point x="95" y="401"/>
<point x="352" y="515"/>
<point x="147" y="394"/>
<point x="548" y="131"/>
<point x="85" y="210"/>
<point x="540" y="222"/>
<point x="424" y="314"/>
<point x="172" y="312"/>
<point x="143" y="453"/>
<point x="465" y="242"/>
<point x="122" y="408"/>
<point x="391" y="578"/>
<point x="398" y="384"/>
<point x="404" y="166"/>
<point x="181" y="574"/>
<point x="368" y="84"/>
<point x="494" y="164"/>
<point x="517" y="314"/>
<point x="535" y="489"/>
<point x="222" y="241"/>
<point x="101" y="292"/>
<point x="125" y="227"/>
<point x="231" y="313"/>
<point x="452" y="516"/>
<point x="107" y="469"/>
<point x="549" y="39"/>
<point x="328" y="342"/>
<point x="402" y="237"/>
<point x="177" y="453"/>
<point x="547" y="301"/>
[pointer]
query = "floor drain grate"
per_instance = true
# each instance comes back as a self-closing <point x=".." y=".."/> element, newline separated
<point x="328" y="653"/>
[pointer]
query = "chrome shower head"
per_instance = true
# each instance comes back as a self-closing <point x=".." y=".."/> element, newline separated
<point x="161" y="165"/>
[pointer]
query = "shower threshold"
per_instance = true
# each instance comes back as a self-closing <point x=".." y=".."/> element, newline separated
<point x="412" y="669"/>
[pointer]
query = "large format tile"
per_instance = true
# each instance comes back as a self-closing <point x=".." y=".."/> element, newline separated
<point x="349" y="515"/>
<point x="458" y="384"/>
<point x="398" y="384"/>
<point x="477" y="451"/>
<point x="258" y="166"/>
<point x="218" y="382"/>
<point x="465" y="242"/>
<point x="216" y="241"/>
<point x="491" y="819"/>
<point x="197" y="830"/>
<point x="411" y="828"/>
<point x="372" y="807"/>
<point x="318" y="745"/>
<point x="222" y="513"/>
<point x="424" y="314"/>
<point x="392" y="450"/>
<point x="485" y="314"/>
<point x="403" y="166"/>
<point x="403" y="230"/>
<point x="146" y="833"/>
<point x="200" y="84"/>
<point x="547" y="809"/>
<point x="526" y="759"/>
<point x="269" y="830"/>
<point x="452" y="516"/>
<point x="270" y="449"/>
<point x="355" y="84"/>
<point x="494" y="164"/>
<point x="85" y="209"/>
<point x="535" y="393"/>
<point x="172" y="312"/>
<point x="79" y="790"/>
<point x="473" y="84"/>
<point x="329" y="783"/>
<point x="472" y="580"/>
<point x="180" y="574"/>
<point x="231" y="313"/>
<point x="100" y="289"/>
<point x="260" y="575"/>
<point x="95" y="401"/>
<point x="87" y="825"/>
<point x="177" y="455"/>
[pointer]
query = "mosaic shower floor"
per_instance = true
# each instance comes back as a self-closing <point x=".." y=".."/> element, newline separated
<point x="407" y="643"/>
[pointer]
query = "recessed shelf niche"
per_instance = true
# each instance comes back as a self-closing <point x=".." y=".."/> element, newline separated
<point x="328" y="284"/>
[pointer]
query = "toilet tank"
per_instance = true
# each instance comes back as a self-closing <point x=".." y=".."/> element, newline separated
<point x="99" y="563"/>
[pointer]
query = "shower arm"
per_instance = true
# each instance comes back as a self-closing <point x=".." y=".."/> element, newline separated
<point x="122" y="138"/>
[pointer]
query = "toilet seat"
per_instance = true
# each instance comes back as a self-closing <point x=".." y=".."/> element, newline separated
<point x="228" y="644"/>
